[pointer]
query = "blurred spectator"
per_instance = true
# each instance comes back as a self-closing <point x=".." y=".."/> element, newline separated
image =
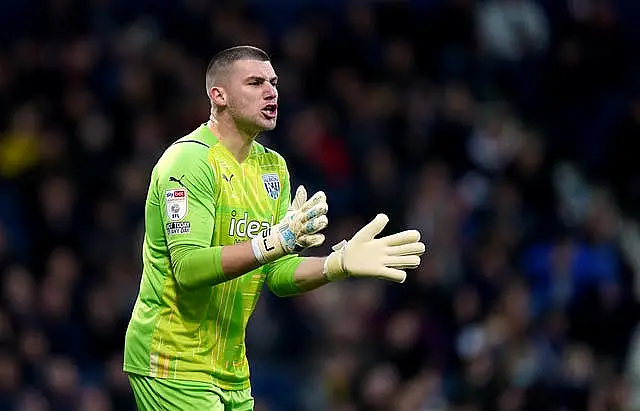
<point x="513" y="30"/>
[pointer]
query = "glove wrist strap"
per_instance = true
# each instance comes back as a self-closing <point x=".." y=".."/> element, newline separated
<point x="267" y="246"/>
<point x="334" y="269"/>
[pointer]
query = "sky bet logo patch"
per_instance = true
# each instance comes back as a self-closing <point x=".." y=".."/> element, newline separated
<point x="176" y="204"/>
<point x="178" y="193"/>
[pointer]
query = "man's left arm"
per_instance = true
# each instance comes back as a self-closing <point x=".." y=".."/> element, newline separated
<point x="292" y="275"/>
<point x="363" y="256"/>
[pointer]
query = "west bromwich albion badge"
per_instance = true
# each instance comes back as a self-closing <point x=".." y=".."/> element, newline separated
<point x="271" y="185"/>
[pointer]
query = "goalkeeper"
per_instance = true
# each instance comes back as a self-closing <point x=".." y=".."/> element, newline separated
<point x="219" y="223"/>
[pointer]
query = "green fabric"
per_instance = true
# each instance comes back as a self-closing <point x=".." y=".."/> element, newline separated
<point x="161" y="394"/>
<point x="196" y="267"/>
<point x="281" y="274"/>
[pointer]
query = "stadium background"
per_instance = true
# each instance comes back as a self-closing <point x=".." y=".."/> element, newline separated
<point x="507" y="131"/>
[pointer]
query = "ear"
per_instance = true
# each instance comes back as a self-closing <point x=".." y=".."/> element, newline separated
<point x="218" y="96"/>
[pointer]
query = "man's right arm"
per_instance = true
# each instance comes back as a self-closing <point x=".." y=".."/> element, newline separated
<point x="196" y="267"/>
<point x="186" y="189"/>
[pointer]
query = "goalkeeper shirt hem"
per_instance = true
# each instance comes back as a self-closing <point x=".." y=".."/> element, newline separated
<point x="189" y="376"/>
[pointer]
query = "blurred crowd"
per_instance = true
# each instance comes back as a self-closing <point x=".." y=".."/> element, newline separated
<point x="506" y="131"/>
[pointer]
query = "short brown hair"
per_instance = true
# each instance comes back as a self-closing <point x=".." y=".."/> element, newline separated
<point x="225" y="58"/>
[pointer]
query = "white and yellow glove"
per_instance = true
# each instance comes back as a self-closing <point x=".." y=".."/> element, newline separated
<point x="366" y="256"/>
<point x="299" y="229"/>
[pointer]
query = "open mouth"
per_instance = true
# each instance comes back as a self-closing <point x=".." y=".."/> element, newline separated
<point x="270" y="111"/>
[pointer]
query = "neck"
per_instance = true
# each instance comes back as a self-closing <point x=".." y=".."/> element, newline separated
<point x="232" y="138"/>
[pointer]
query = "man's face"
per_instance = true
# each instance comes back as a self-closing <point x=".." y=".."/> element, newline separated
<point x="252" y="97"/>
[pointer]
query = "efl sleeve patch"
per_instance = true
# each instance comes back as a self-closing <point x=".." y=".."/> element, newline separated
<point x="176" y="204"/>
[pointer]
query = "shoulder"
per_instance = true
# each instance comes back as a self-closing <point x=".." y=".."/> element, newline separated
<point x="192" y="147"/>
<point x="186" y="153"/>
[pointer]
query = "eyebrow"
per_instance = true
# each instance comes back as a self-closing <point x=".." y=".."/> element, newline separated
<point x="260" y="78"/>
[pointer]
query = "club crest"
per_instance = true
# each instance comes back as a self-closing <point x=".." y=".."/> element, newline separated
<point x="271" y="185"/>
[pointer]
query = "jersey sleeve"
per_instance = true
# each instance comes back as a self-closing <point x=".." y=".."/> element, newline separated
<point x="186" y="191"/>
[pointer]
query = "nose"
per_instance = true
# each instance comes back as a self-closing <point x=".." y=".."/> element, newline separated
<point x="271" y="92"/>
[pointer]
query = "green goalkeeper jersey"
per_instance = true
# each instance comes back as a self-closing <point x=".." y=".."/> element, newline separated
<point x="200" y="196"/>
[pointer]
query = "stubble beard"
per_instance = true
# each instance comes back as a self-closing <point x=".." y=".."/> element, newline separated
<point x="255" y="124"/>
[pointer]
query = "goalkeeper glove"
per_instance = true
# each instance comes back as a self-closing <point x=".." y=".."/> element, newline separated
<point x="367" y="256"/>
<point x="299" y="229"/>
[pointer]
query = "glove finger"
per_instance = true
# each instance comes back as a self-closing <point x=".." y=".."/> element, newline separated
<point x="315" y="224"/>
<point x="402" y="261"/>
<point x="369" y="231"/>
<point x="392" y="274"/>
<point x="407" y="249"/>
<point x="311" y="240"/>
<point x="403" y="237"/>
<point x="300" y="198"/>
<point x="319" y="197"/>
<point x="315" y="211"/>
